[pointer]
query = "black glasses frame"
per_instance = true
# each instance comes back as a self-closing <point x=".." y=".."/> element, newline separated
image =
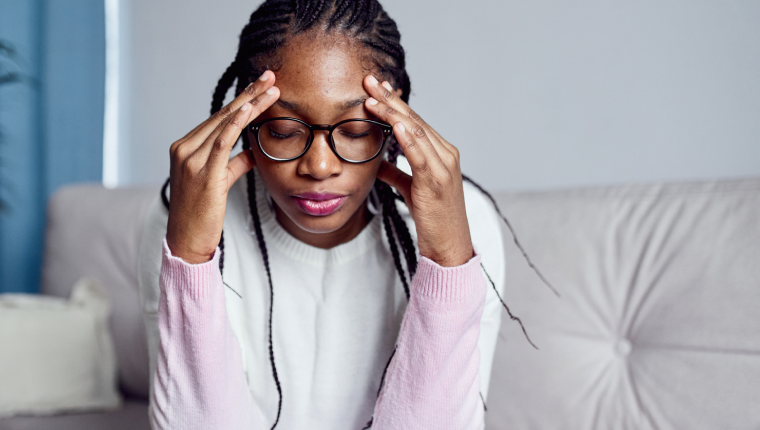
<point x="256" y="127"/>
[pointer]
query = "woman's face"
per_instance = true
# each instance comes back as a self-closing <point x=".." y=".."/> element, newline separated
<point x="319" y="199"/>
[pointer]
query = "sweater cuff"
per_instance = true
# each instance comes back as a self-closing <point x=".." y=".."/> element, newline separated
<point x="195" y="279"/>
<point x="448" y="284"/>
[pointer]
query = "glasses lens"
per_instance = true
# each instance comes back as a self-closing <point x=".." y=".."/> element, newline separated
<point x="283" y="138"/>
<point x="358" y="140"/>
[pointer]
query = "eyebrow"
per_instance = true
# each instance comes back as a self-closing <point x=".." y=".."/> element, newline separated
<point x="353" y="103"/>
<point x="346" y="105"/>
<point x="289" y="105"/>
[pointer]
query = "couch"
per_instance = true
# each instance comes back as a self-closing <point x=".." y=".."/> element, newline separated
<point x="656" y="326"/>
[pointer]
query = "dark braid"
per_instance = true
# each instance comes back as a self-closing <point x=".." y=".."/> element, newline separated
<point x="402" y="231"/>
<point x="225" y="82"/>
<point x="340" y="12"/>
<point x="221" y="253"/>
<point x="250" y="176"/>
<point x="387" y="200"/>
<point x="364" y="20"/>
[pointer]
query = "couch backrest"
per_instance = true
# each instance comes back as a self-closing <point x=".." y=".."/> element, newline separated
<point x="657" y="327"/>
<point x="93" y="231"/>
<point x="658" y="323"/>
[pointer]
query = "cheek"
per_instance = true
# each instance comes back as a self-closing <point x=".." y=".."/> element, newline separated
<point x="275" y="175"/>
<point x="365" y="174"/>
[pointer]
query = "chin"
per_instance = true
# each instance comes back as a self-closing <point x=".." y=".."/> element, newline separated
<point x="321" y="224"/>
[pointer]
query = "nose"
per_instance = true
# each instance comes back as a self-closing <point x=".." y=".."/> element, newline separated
<point x="320" y="162"/>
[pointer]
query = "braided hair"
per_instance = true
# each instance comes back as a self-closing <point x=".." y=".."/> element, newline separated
<point x="364" y="21"/>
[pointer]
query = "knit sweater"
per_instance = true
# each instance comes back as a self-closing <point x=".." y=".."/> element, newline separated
<point x="336" y="321"/>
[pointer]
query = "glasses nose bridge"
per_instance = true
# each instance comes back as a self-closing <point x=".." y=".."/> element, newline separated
<point x="321" y="127"/>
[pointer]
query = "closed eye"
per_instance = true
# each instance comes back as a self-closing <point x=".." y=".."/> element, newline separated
<point x="277" y="135"/>
<point x="354" y="135"/>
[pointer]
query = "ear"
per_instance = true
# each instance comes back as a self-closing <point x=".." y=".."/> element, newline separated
<point x="399" y="92"/>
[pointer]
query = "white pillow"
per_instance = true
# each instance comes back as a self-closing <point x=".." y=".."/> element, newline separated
<point x="56" y="355"/>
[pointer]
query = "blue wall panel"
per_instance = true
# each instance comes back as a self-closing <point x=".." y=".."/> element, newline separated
<point x="74" y="86"/>
<point x="52" y="130"/>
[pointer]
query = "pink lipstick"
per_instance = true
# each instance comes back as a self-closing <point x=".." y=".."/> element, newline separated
<point x="319" y="204"/>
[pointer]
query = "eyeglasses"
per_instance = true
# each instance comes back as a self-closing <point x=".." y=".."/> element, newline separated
<point x="352" y="140"/>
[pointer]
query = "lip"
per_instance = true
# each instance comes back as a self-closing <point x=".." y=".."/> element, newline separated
<point x="319" y="204"/>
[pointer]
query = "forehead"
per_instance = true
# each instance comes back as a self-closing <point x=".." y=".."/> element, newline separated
<point x="321" y="71"/>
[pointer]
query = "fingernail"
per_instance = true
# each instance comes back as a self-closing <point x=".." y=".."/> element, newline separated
<point x="372" y="80"/>
<point x="264" y="76"/>
<point x="387" y="86"/>
<point x="372" y="101"/>
<point x="271" y="91"/>
<point x="401" y="127"/>
<point x="245" y="107"/>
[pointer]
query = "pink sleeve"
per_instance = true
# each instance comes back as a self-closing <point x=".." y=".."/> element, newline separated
<point x="433" y="380"/>
<point x="431" y="383"/>
<point x="199" y="381"/>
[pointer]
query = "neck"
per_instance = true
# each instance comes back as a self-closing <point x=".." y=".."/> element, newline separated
<point x="344" y="234"/>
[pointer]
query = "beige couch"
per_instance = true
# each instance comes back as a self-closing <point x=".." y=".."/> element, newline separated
<point x="657" y="326"/>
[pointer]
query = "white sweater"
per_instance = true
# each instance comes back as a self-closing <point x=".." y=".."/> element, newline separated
<point x="336" y="315"/>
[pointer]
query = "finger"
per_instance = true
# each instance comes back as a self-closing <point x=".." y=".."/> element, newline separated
<point x="415" y="123"/>
<point x="396" y="178"/>
<point x="445" y="142"/>
<point x="446" y="151"/>
<point x="423" y="160"/>
<point x="390" y="108"/>
<point x="435" y="138"/>
<point x="454" y="157"/>
<point x="238" y="166"/>
<point x="250" y="94"/>
<point x="227" y="132"/>
<point x="193" y="140"/>
<point x="216" y="150"/>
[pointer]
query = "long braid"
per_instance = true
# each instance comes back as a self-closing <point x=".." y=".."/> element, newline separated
<point x="388" y="203"/>
<point x="407" y="243"/>
<point x="224" y="84"/>
<point x="250" y="176"/>
<point x="402" y="231"/>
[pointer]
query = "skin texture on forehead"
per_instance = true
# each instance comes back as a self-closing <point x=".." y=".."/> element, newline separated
<point x="320" y="82"/>
<point x="323" y="72"/>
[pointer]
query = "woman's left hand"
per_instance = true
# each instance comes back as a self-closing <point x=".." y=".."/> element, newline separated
<point x="434" y="192"/>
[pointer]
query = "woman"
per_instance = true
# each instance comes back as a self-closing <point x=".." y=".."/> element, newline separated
<point x="361" y="334"/>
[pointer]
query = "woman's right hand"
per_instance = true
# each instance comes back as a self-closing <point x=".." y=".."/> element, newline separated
<point x="202" y="172"/>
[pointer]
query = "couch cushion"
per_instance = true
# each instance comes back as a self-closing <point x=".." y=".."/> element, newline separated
<point x="132" y="416"/>
<point x="57" y="354"/>
<point x="657" y="326"/>
<point x="93" y="231"/>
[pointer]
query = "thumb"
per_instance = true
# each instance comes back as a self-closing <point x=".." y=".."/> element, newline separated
<point x="239" y="165"/>
<point x="397" y="179"/>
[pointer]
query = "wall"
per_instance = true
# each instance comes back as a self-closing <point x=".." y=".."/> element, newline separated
<point x="51" y="124"/>
<point x="535" y="94"/>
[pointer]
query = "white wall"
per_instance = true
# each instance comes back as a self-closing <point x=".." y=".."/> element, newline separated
<point x="536" y="94"/>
